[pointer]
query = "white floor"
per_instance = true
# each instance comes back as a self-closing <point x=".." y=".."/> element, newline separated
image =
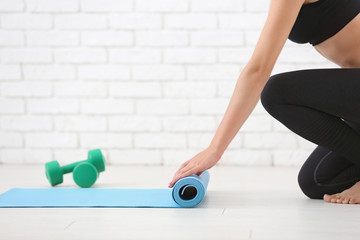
<point x="241" y="203"/>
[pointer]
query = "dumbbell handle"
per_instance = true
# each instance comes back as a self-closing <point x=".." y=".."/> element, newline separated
<point x="70" y="167"/>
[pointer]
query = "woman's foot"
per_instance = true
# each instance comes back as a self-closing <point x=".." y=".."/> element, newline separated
<point x="348" y="196"/>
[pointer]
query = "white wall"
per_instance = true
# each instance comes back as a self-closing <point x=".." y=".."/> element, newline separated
<point x="147" y="81"/>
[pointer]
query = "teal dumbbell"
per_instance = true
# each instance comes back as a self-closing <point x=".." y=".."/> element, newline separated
<point x="85" y="172"/>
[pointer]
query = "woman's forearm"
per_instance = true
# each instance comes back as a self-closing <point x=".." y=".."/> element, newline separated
<point x="243" y="101"/>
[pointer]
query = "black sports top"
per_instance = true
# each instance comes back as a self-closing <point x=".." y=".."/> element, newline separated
<point x="321" y="20"/>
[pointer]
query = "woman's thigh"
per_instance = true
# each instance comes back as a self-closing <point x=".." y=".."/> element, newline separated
<point x="335" y="91"/>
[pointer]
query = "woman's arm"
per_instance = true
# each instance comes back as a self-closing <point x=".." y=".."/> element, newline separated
<point x="281" y="17"/>
<point x="243" y="101"/>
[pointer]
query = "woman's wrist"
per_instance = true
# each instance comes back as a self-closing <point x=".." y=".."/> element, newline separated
<point x="216" y="151"/>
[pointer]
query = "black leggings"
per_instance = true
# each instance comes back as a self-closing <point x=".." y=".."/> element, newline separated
<point x="322" y="106"/>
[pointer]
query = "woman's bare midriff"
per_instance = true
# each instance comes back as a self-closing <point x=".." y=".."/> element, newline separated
<point x="343" y="48"/>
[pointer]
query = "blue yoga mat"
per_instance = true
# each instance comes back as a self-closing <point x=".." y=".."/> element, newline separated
<point x="187" y="192"/>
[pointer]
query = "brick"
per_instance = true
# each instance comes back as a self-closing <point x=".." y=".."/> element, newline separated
<point x="189" y="124"/>
<point x="309" y="65"/>
<point x="11" y="5"/>
<point x="106" y="6"/>
<point x="305" y="144"/>
<point x="105" y="140"/>
<point x="131" y="21"/>
<point x="257" y="5"/>
<point x="53" y="38"/>
<point x="12" y="106"/>
<point x="10" y="72"/>
<point x="242" y="21"/>
<point x="199" y="140"/>
<point x="26" y="21"/>
<point x="160" y="140"/>
<point x="190" y="21"/>
<point x="26" y="123"/>
<point x="281" y="67"/>
<point x="176" y="157"/>
<point x="217" y="38"/>
<point x="279" y="127"/>
<point x="252" y="36"/>
<point x="80" y="123"/>
<point x="290" y="157"/>
<point x="259" y="109"/>
<point x="162" y="107"/>
<point x="135" y="90"/>
<point x="11" y="38"/>
<point x="80" y="55"/>
<point x="67" y="156"/>
<point x="246" y="157"/>
<point x="217" y="6"/>
<point x="189" y="55"/>
<point x="135" y="55"/>
<point x="9" y="139"/>
<point x="12" y="156"/>
<point x="21" y="156"/>
<point x="257" y="123"/>
<point x="135" y="157"/>
<point x="26" y="89"/>
<point x="158" y="72"/>
<point x="208" y="106"/>
<point x="53" y="106"/>
<point x="235" y="55"/>
<point x="51" y="140"/>
<point x="52" y="6"/>
<point x="161" y="5"/>
<point x="189" y="89"/>
<point x="304" y="54"/>
<point x="165" y="87"/>
<point x="213" y="72"/>
<point x="290" y="44"/>
<point x="26" y="55"/>
<point x="269" y="140"/>
<point x="237" y="142"/>
<point x="49" y="72"/>
<point x="104" y="72"/>
<point x="134" y="124"/>
<point x="225" y="89"/>
<point x="80" y="89"/>
<point x="161" y="38"/>
<point x="106" y="38"/>
<point x="107" y="106"/>
<point x="80" y="21"/>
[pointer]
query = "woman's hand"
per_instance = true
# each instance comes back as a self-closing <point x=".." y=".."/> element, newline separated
<point x="197" y="164"/>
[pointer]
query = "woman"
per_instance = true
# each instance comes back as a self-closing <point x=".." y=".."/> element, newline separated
<point x="321" y="105"/>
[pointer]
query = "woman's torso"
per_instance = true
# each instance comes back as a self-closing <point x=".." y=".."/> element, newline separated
<point x="344" y="47"/>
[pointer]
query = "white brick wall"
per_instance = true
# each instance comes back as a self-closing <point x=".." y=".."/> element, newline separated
<point x="147" y="81"/>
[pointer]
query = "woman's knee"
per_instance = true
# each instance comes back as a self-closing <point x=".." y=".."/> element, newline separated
<point x="308" y="185"/>
<point x="274" y="91"/>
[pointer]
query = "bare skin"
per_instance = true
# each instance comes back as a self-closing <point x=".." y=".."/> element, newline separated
<point x="342" y="49"/>
<point x="348" y="196"/>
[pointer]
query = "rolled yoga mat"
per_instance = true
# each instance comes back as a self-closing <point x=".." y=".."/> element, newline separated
<point x="187" y="192"/>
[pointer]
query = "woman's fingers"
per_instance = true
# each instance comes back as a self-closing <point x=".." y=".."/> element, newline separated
<point x="196" y="165"/>
<point x="188" y="173"/>
<point x="184" y="164"/>
<point x="181" y="168"/>
<point x="184" y="172"/>
<point x="176" y="177"/>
